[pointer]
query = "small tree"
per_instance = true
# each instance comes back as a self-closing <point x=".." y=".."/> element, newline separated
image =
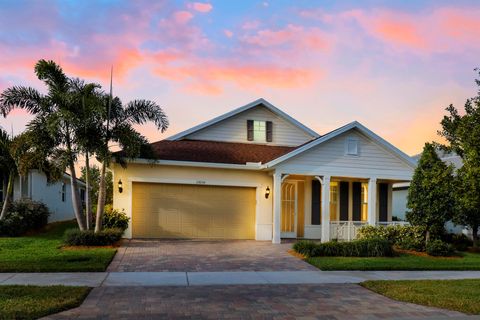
<point x="95" y="182"/>
<point x="430" y="196"/>
<point x="462" y="133"/>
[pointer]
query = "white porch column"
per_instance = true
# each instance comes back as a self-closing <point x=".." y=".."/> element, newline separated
<point x="277" y="206"/>
<point x="326" y="209"/>
<point x="372" y="201"/>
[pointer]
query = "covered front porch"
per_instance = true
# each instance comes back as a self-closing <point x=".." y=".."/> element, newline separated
<point x="325" y="207"/>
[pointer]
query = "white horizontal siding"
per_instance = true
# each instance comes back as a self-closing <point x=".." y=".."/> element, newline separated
<point x="330" y="158"/>
<point x="234" y="129"/>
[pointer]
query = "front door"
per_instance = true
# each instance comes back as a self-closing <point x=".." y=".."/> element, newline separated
<point x="289" y="210"/>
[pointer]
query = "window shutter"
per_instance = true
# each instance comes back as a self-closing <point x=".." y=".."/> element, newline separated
<point x="357" y="201"/>
<point x="250" y="130"/>
<point x="344" y="186"/>
<point x="383" y="201"/>
<point x="269" y="131"/>
<point x="316" y="189"/>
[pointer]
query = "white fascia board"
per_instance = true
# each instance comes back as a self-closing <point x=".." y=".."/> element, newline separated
<point x="240" y="110"/>
<point x="405" y="157"/>
<point x="395" y="151"/>
<point x="249" y="166"/>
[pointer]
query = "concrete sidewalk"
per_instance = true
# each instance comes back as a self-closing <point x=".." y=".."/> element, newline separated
<point x="129" y="279"/>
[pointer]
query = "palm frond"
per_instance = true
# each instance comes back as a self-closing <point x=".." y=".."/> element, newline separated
<point x="21" y="97"/>
<point x="52" y="74"/>
<point x="142" y="111"/>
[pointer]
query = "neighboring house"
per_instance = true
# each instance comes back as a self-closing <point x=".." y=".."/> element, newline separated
<point x="57" y="195"/>
<point x="257" y="173"/>
<point x="400" y="192"/>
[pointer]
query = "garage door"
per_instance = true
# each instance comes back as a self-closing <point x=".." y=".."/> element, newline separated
<point x="192" y="211"/>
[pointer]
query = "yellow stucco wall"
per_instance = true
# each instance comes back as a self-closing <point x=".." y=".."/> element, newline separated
<point x="194" y="175"/>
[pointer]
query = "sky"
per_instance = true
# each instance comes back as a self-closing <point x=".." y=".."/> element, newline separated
<point x="392" y="65"/>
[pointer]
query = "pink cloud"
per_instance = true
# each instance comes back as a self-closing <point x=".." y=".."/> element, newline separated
<point x="250" y="25"/>
<point x="201" y="7"/>
<point x="228" y="33"/>
<point x="296" y="36"/>
<point x="210" y="76"/>
<point x="182" y="17"/>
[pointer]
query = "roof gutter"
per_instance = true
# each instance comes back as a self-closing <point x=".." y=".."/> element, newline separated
<point x="247" y="166"/>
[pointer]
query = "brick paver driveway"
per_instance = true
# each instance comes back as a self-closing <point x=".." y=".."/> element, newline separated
<point x="246" y="302"/>
<point x="195" y="255"/>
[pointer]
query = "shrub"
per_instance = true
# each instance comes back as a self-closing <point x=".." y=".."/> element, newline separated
<point x="22" y="216"/>
<point x="356" y="248"/>
<point x="113" y="218"/>
<point x="76" y="237"/>
<point x="405" y="237"/>
<point x="439" y="248"/>
<point x="305" y="247"/>
<point x="459" y="241"/>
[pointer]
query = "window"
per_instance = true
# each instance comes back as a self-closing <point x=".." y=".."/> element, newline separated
<point x="259" y="131"/>
<point x="364" y="201"/>
<point x="333" y="201"/>
<point x="351" y="147"/>
<point x="64" y="191"/>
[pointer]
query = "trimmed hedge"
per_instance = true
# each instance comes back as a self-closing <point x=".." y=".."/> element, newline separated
<point x="75" y="237"/>
<point x="356" y="248"/>
<point x="438" y="248"/>
<point x="404" y="237"/>
<point x="22" y="216"/>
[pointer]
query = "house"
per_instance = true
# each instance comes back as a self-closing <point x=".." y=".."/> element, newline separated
<point x="57" y="196"/>
<point x="257" y="173"/>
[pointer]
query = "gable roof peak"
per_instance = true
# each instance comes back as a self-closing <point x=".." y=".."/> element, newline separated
<point x="253" y="104"/>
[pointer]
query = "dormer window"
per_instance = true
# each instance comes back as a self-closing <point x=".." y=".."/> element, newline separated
<point x="259" y="131"/>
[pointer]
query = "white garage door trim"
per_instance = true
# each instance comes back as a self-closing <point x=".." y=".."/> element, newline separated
<point x="258" y="190"/>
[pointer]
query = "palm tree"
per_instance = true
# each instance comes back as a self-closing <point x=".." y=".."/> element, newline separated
<point x="55" y="121"/>
<point x="118" y="128"/>
<point x="91" y="105"/>
<point x="8" y="166"/>
<point x="20" y="154"/>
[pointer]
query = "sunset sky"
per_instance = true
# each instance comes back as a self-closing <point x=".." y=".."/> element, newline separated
<point x="393" y="66"/>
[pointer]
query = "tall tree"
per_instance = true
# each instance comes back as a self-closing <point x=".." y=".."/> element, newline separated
<point x="55" y="120"/>
<point x="18" y="155"/>
<point x="430" y="196"/>
<point x="119" y="122"/>
<point x="462" y="133"/>
<point x="90" y="106"/>
<point x="8" y="166"/>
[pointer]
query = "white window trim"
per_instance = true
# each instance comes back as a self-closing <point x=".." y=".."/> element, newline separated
<point x="262" y="136"/>
<point x="348" y="140"/>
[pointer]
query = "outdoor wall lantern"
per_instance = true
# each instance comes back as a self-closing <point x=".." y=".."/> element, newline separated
<point x="267" y="192"/>
<point x="120" y="186"/>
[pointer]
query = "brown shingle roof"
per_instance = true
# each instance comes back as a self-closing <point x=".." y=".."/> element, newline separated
<point x="216" y="152"/>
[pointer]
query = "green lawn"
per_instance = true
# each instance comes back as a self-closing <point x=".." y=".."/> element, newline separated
<point x="459" y="295"/>
<point x="468" y="261"/>
<point x="33" y="302"/>
<point x="42" y="253"/>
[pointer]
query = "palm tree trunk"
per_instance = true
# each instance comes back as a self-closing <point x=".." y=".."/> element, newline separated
<point x="88" y="205"/>
<point x="8" y="195"/>
<point x="77" y="206"/>
<point x="101" y="198"/>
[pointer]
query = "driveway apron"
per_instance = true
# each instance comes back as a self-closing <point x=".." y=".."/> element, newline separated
<point x="205" y="256"/>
